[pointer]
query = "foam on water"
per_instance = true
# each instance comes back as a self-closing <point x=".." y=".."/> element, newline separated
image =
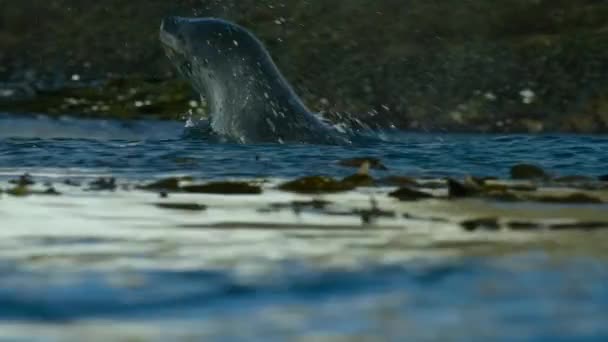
<point x="73" y="265"/>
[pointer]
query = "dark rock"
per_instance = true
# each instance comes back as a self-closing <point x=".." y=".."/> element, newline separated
<point x="490" y="223"/>
<point x="23" y="180"/>
<point x="182" y="206"/>
<point x="573" y="179"/>
<point x="580" y="226"/>
<point x="103" y="184"/>
<point x="374" y="163"/>
<point x="71" y="182"/>
<point x="528" y="171"/>
<point x="315" y="204"/>
<point x="368" y="215"/>
<point x="19" y="191"/>
<point x="316" y="184"/>
<point x="224" y="188"/>
<point x="163" y="194"/>
<point x="51" y="191"/>
<point x="576" y="198"/>
<point x="458" y="190"/>
<point x="166" y="184"/>
<point x="408" y="194"/>
<point x="297" y="206"/>
<point x="603" y="178"/>
<point x="357" y="180"/>
<point x="524" y="225"/>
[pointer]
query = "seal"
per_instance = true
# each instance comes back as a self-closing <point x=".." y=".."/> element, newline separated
<point x="248" y="98"/>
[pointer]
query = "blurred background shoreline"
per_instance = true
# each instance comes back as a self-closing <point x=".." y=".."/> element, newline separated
<point x="506" y="66"/>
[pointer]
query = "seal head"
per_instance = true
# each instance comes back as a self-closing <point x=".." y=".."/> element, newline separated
<point x="248" y="98"/>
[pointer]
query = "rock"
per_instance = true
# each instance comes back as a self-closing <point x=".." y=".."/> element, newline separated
<point x="182" y="206"/>
<point x="580" y="225"/>
<point x="524" y="225"/>
<point x="19" y="191"/>
<point x="316" y="184"/>
<point x="603" y="178"/>
<point x="314" y="204"/>
<point x="490" y="223"/>
<point x="374" y="163"/>
<point x="457" y="189"/>
<point x="573" y="179"/>
<point x="357" y="180"/>
<point x="528" y="171"/>
<point x="71" y="182"/>
<point x="23" y="180"/>
<point x="369" y="215"/>
<point x="408" y="194"/>
<point x="103" y="184"/>
<point x="166" y="184"/>
<point x="576" y="198"/>
<point x="297" y="206"/>
<point x="224" y="188"/>
<point x="51" y="191"/>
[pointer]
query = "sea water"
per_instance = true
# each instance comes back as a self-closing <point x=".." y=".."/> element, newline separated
<point x="110" y="265"/>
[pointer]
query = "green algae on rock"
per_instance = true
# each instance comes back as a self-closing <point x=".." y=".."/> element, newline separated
<point x="24" y="180"/>
<point x="316" y="184"/>
<point x="358" y="180"/>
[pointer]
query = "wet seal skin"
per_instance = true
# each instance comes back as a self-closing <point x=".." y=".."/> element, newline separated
<point x="248" y="98"/>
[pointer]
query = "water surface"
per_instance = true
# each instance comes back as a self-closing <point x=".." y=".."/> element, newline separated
<point x="112" y="265"/>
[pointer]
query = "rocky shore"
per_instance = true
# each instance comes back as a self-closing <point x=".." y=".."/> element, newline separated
<point x="507" y="66"/>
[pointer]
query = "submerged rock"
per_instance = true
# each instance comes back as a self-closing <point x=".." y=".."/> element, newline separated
<point x="182" y="206"/>
<point x="103" y="184"/>
<point x="224" y="188"/>
<point x="316" y="184"/>
<point x="166" y="184"/>
<point x="490" y="223"/>
<point x="457" y="189"/>
<point x="71" y="182"/>
<point x="23" y="180"/>
<point x="374" y="163"/>
<point x="528" y="171"/>
<point x="51" y="191"/>
<point x="524" y="225"/>
<point x="573" y="179"/>
<point x="576" y="198"/>
<point x="358" y="180"/>
<point x="408" y="194"/>
<point x="19" y="191"/>
<point x="580" y="226"/>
